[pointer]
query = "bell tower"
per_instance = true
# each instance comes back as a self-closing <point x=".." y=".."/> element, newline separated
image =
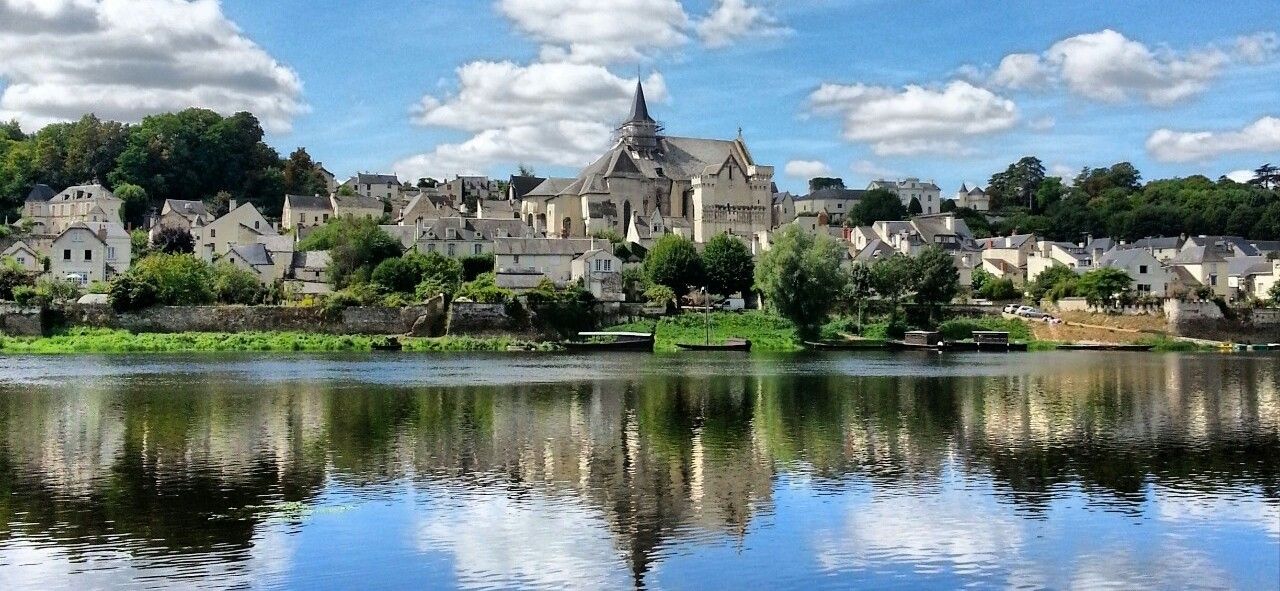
<point x="640" y="131"/>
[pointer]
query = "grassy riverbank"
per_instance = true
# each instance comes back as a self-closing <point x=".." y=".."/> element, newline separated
<point x="766" y="332"/>
<point x="84" y="340"/>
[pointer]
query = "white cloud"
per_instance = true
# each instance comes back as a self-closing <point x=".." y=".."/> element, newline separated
<point x="1065" y="172"/>
<point x="871" y="170"/>
<point x="1257" y="48"/>
<point x="736" y="19"/>
<point x="1021" y="70"/>
<point x="915" y="119"/>
<point x="559" y="114"/>
<point x="1107" y="66"/>
<point x="1167" y="145"/>
<point x="1041" y="123"/>
<point x="1241" y="176"/>
<point x="807" y="169"/>
<point x="124" y="59"/>
<point x="590" y="31"/>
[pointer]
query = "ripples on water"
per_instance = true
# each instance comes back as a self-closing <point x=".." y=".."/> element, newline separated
<point x="663" y="472"/>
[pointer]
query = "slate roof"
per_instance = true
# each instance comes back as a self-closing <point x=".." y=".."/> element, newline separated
<point x="1013" y="241"/>
<point x="547" y="246"/>
<point x="91" y="191"/>
<point x="376" y="179"/>
<point x="1247" y="265"/>
<point x="1127" y="257"/>
<point x="832" y="193"/>
<point x="40" y="192"/>
<point x="1196" y="255"/>
<point x="497" y="209"/>
<point x="308" y="201"/>
<point x="357" y="201"/>
<point x="254" y="253"/>
<point x="1265" y="246"/>
<point x="550" y="187"/>
<point x="1158" y="242"/>
<point x="521" y="185"/>
<point x="874" y="249"/>
<point x="311" y="259"/>
<point x="639" y="107"/>
<point x="1225" y="245"/>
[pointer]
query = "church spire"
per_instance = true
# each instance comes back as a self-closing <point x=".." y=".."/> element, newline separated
<point x="639" y="108"/>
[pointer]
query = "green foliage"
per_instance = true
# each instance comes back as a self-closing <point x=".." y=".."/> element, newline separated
<point x="1274" y="294"/>
<point x="1058" y="279"/>
<point x="936" y="279"/>
<point x="823" y="182"/>
<point x="13" y="276"/>
<point x="135" y="203"/>
<point x="51" y="291"/>
<point x="484" y="289"/>
<point x="962" y="328"/>
<point x="801" y="278"/>
<point x="877" y="205"/>
<point x="674" y="262"/>
<point x="979" y="278"/>
<point x="728" y="265"/>
<point x="398" y="275"/>
<point x="659" y="294"/>
<point x="999" y="290"/>
<point x="1017" y="184"/>
<point x="165" y="280"/>
<point x="85" y="340"/>
<point x="174" y="241"/>
<point x="98" y="287"/>
<point x="914" y="208"/>
<point x="140" y="242"/>
<point x="566" y="311"/>
<point x="767" y="332"/>
<point x="1103" y="287"/>
<point x="476" y="265"/>
<point x="236" y="285"/>
<point x="356" y="247"/>
<point x="892" y="278"/>
<point x="301" y="175"/>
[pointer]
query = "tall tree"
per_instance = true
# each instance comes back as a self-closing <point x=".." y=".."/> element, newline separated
<point x="728" y="265"/>
<point x="1016" y="186"/>
<point x="877" y="205"/>
<point x="135" y="205"/>
<point x="800" y="277"/>
<point x="823" y="182"/>
<point x="936" y="279"/>
<point x="302" y="176"/>
<point x="674" y="262"/>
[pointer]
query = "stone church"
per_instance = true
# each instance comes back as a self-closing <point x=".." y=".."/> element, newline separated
<point x="713" y="186"/>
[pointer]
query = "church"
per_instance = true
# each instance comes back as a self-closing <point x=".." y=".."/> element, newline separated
<point x="709" y="186"/>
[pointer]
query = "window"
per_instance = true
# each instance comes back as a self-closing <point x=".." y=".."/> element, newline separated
<point x="1142" y="270"/>
<point x="452" y="250"/>
<point x="1213" y="280"/>
<point x="255" y="224"/>
<point x="77" y="237"/>
<point x="111" y="253"/>
<point x="608" y="265"/>
<point x="1144" y="288"/>
<point x="475" y="249"/>
<point x="515" y="259"/>
<point x="431" y="248"/>
<point x="88" y="255"/>
<point x="326" y="217"/>
<point x="66" y="254"/>
<point x="599" y="264"/>
<point x="213" y="232"/>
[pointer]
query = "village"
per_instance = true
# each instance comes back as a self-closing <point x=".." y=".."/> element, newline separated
<point x="587" y="231"/>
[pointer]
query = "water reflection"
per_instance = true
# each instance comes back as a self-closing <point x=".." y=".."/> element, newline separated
<point x="606" y="472"/>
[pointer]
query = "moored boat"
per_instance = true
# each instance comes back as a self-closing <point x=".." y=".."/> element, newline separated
<point x="729" y="345"/>
<point x="611" y="341"/>
<point x="850" y="345"/>
<point x="1103" y="347"/>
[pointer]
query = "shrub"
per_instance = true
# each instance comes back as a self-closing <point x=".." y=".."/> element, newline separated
<point x="659" y="294"/>
<point x="674" y="262"/>
<point x="98" y="287"/>
<point x="476" y="265"/>
<point x="356" y="247"/>
<point x="175" y="279"/>
<point x="174" y="241"/>
<point x="236" y="285"/>
<point x="999" y="290"/>
<point x="13" y="276"/>
<point x="485" y="290"/>
<point x="398" y="275"/>
<point x="25" y="295"/>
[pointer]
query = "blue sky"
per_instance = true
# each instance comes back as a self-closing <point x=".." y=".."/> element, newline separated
<point x="548" y="78"/>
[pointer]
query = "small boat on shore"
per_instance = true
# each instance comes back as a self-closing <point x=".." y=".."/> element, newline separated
<point x="1103" y="347"/>
<point x="986" y="341"/>
<point x="849" y="345"/>
<point x="729" y="345"/>
<point x="611" y="341"/>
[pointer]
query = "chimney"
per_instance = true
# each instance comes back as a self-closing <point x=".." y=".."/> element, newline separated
<point x="102" y="232"/>
<point x="231" y="206"/>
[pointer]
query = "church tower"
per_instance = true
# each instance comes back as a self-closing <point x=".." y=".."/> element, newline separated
<point x="640" y="132"/>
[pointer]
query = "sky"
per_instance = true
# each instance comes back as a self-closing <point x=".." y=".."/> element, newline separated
<point x="951" y="91"/>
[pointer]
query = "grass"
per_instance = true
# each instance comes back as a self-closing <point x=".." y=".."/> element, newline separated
<point x="1164" y="344"/>
<point x="958" y="329"/>
<point x="97" y="340"/>
<point x="767" y="332"/>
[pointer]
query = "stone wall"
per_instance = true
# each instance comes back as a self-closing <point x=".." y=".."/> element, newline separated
<point x="1206" y="320"/>
<point x="477" y="319"/>
<point x="21" y="321"/>
<point x="1081" y="305"/>
<point x="417" y="320"/>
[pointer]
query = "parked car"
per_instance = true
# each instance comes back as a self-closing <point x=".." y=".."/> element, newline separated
<point x="1029" y="312"/>
<point x="1011" y="309"/>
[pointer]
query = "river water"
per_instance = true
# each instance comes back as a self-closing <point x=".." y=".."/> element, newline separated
<point x="865" y="470"/>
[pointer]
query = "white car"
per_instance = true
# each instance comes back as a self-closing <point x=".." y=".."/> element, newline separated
<point x="1029" y="312"/>
<point x="1011" y="309"/>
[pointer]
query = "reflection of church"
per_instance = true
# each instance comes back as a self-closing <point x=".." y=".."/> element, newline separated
<point x="712" y="186"/>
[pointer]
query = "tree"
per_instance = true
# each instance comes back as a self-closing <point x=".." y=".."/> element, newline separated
<point x="523" y="169"/>
<point x="135" y="203"/>
<point x="1017" y="184"/>
<point x="859" y="287"/>
<point x="979" y="278"/>
<point x="356" y="247"/>
<point x="440" y="275"/>
<point x="174" y="241"/>
<point x="399" y="274"/>
<point x="1266" y="176"/>
<point x="1274" y="293"/>
<point x="877" y="205"/>
<point x="999" y="290"/>
<point x="1049" y="193"/>
<point x="1048" y="279"/>
<point x="236" y="285"/>
<point x="728" y="265"/>
<point x="892" y="278"/>
<point x="823" y="182"/>
<point x="163" y="279"/>
<point x="674" y="262"/>
<point x="1102" y="287"/>
<point x="914" y="208"/>
<point x="800" y="277"/>
<point x="484" y="289"/>
<point x="13" y="276"/>
<point x="936" y="278"/>
<point x="302" y="176"/>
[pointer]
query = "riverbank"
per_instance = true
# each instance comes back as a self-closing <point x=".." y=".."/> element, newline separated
<point x="766" y="332"/>
<point x="98" y="340"/>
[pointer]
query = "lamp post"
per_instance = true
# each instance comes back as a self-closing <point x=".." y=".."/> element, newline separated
<point x="706" y="303"/>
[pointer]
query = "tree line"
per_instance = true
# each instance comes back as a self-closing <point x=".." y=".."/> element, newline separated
<point x="1113" y="201"/>
<point x="195" y="154"/>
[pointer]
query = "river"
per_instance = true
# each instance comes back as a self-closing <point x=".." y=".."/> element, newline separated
<point x="861" y="470"/>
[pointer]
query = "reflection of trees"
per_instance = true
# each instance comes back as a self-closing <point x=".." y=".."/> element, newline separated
<point x="655" y="455"/>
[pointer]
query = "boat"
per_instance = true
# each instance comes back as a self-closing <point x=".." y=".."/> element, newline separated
<point x="387" y="344"/>
<point x="611" y="341"/>
<point x="1103" y="347"/>
<point x="928" y="340"/>
<point x="850" y="345"/>
<point x="729" y="345"/>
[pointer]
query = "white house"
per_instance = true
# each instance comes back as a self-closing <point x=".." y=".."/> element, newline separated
<point x="926" y="192"/>
<point x="303" y="211"/>
<point x="975" y="198"/>
<point x="550" y="257"/>
<point x="90" y="251"/>
<point x="1204" y="264"/>
<point x="80" y="203"/>
<point x="601" y="274"/>
<point x="244" y="224"/>
<point x="1149" y="276"/>
<point x="24" y="255"/>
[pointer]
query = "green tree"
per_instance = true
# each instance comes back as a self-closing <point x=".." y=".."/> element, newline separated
<point x="914" y="208"/>
<point x="1049" y="193"/>
<point x="859" y="288"/>
<point x="236" y="285"/>
<point x="1102" y="287"/>
<point x="822" y="182"/>
<point x="13" y="276"/>
<point x="356" y="247"/>
<point x="163" y="279"/>
<point x="893" y="279"/>
<point x="936" y="278"/>
<point x="301" y="175"/>
<point x="1048" y="279"/>
<point x="877" y="205"/>
<point x="728" y="265"/>
<point x="1017" y="184"/>
<point x="1274" y="293"/>
<point x="999" y="290"/>
<point x="399" y="274"/>
<point x="485" y="290"/>
<point x="979" y="278"/>
<point x="674" y="262"/>
<point x="174" y="241"/>
<point x="135" y="201"/>
<point x="801" y="278"/>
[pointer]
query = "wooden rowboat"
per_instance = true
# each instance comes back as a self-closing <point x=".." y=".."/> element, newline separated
<point x="729" y="345"/>
<point x="611" y="341"/>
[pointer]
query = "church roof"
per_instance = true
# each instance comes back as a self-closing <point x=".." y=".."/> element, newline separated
<point x="639" y="108"/>
<point x="550" y="187"/>
<point x="522" y="185"/>
<point x="40" y="192"/>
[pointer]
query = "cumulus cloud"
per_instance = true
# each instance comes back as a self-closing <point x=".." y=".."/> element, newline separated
<point x="1168" y="145"/>
<point x="1041" y="123"/>
<point x="807" y="169"/>
<point x="1109" y="67"/>
<point x="736" y="19"/>
<point x="915" y="119"/>
<point x="124" y="59"/>
<point x="871" y="170"/>
<point x="560" y="114"/>
<point x="589" y="31"/>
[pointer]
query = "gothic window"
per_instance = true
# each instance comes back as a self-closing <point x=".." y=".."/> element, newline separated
<point x="626" y="211"/>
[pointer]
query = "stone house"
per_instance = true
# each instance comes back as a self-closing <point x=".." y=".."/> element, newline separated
<point x="836" y="203"/>
<point x="181" y="214"/>
<point x="357" y="206"/>
<point x="25" y="256"/>
<point x="1006" y="256"/>
<point x="1149" y="276"/>
<point x="305" y="211"/>
<point x="244" y="224"/>
<point x="90" y="251"/>
<point x="784" y="209"/>
<point x="269" y="259"/>
<point x="600" y="273"/>
<point x="549" y="257"/>
<point x="385" y="188"/>
<point x="1057" y="254"/>
<point x="51" y="214"/>
<point x="426" y="206"/>
<point x="1204" y="265"/>
<point x="926" y="192"/>
<point x="459" y="237"/>
<point x="975" y="198"/>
